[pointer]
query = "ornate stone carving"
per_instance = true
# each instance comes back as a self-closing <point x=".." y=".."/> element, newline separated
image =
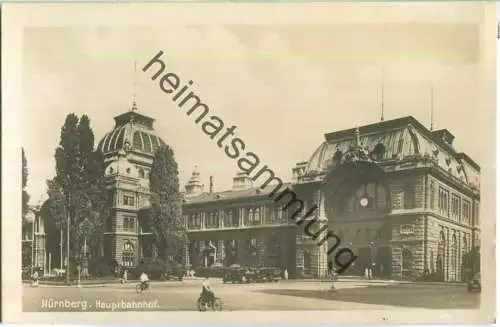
<point x="356" y="152"/>
<point x="126" y="146"/>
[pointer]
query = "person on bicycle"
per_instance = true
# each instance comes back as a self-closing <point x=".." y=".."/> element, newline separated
<point x="207" y="293"/>
<point x="144" y="281"/>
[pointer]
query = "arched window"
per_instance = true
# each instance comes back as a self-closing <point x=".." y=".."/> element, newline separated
<point x="453" y="254"/>
<point x="378" y="152"/>
<point x="256" y="216"/>
<point x="464" y="246"/>
<point x="307" y="262"/>
<point x="250" y="216"/>
<point x="213" y="220"/>
<point x="142" y="174"/>
<point x="407" y="259"/>
<point x="278" y="214"/>
<point x="235" y="218"/>
<point x="228" y="218"/>
<point x="370" y="196"/>
<point x="128" y="254"/>
<point x="440" y="259"/>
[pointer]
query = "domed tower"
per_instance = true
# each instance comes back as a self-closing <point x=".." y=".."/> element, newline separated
<point x="129" y="150"/>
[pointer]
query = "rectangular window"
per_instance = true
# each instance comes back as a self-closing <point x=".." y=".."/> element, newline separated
<point x="129" y="224"/>
<point x="466" y="210"/>
<point x="444" y="198"/>
<point x="455" y="206"/>
<point x="194" y="221"/>
<point x="212" y="220"/>
<point x="231" y="218"/>
<point x="128" y="200"/>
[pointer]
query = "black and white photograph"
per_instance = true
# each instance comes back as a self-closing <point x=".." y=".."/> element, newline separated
<point x="215" y="159"/>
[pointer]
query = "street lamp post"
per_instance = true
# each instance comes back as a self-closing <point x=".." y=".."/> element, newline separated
<point x="68" y="208"/>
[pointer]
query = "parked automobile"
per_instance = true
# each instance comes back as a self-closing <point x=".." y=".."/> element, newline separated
<point x="475" y="283"/>
<point x="235" y="274"/>
<point x="268" y="274"/>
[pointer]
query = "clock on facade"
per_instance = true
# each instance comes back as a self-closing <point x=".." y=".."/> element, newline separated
<point x="364" y="201"/>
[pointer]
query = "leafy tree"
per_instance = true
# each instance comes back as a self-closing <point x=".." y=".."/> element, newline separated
<point x="25" y="195"/>
<point x="78" y="188"/>
<point x="166" y="205"/>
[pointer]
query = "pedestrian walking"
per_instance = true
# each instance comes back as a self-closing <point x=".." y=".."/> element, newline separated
<point x="333" y="276"/>
<point x="125" y="276"/>
<point x="285" y="274"/>
<point x="35" y="279"/>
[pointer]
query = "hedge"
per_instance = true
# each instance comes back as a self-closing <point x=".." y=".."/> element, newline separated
<point x="212" y="272"/>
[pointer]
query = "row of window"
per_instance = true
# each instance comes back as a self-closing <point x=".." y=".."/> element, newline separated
<point x="271" y="244"/>
<point x="450" y="254"/>
<point x="455" y="207"/>
<point x="252" y="216"/>
<point x="141" y="172"/>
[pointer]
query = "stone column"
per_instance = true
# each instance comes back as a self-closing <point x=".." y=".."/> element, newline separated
<point x="447" y="254"/>
<point x="220" y="213"/>
<point x="397" y="257"/>
<point x="299" y="261"/>
<point x="221" y="252"/>
<point x="203" y="223"/>
<point x="261" y="250"/>
<point x="187" y="258"/>
<point x="241" y="217"/>
<point x="320" y="253"/>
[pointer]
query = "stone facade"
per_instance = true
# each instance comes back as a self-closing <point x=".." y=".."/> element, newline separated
<point x="34" y="242"/>
<point x="400" y="196"/>
<point x="395" y="193"/>
<point x="129" y="151"/>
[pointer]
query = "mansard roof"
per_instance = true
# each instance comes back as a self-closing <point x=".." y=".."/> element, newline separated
<point x="402" y="137"/>
<point x="235" y="195"/>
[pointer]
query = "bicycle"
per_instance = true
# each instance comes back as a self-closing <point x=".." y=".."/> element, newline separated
<point x="215" y="305"/>
<point x="139" y="288"/>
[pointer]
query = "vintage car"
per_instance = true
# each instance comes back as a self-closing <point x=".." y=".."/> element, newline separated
<point x="474" y="285"/>
<point x="236" y="274"/>
<point x="268" y="274"/>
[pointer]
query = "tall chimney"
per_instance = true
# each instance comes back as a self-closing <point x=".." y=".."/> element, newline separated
<point x="211" y="189"/>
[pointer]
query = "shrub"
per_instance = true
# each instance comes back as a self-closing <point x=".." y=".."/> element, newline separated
<point x="155" y="268"/>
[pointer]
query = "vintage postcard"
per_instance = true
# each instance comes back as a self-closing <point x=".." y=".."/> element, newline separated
<point x="270" y="162"/>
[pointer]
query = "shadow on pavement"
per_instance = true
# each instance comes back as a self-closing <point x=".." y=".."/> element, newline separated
<point x="392" y="295"/>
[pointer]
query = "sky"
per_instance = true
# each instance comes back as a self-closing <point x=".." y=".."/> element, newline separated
<point x="283" y="86"/>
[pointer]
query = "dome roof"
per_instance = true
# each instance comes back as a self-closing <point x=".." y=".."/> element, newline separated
<point x="399" y="142"/>
<point x="393" y="140"/>
<point x="133" y="131"/>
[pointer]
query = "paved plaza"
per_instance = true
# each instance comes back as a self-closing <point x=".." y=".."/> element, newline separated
<point x="285" y="295"/>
